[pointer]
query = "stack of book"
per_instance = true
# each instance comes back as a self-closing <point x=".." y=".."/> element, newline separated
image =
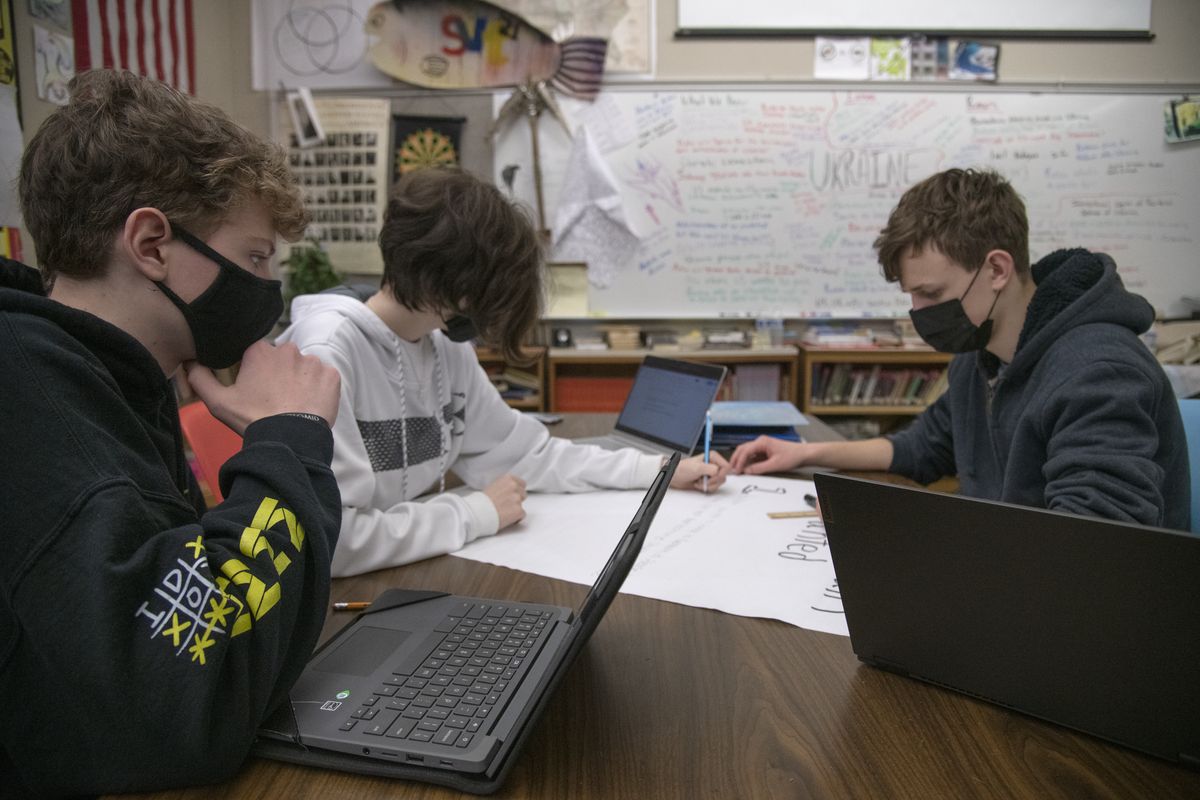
<point x="661" y="341"/>
<point x="854" y="385"/>
<point x="832" y="335"/>
<point x="590" y="341"/>
<point x="514" y="384"/>
<point x="720" y="340"/>
<point x="908" y="335"/>
<point x="624" y="337"/>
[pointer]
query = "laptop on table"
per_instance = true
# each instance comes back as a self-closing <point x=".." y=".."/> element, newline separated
<point x="664" y="411"/>
<point x="1088" y="623"/>
<point x="440" y="688"/>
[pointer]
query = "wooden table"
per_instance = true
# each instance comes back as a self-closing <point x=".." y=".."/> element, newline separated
<point x="669" y="701"/>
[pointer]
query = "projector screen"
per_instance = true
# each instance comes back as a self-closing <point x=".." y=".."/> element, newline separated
<point x="933" y="17"/>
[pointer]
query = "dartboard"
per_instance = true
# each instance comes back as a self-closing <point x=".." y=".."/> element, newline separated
<point x="425" y="148"/>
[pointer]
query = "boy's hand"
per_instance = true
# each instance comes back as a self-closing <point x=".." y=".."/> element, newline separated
<point x="507" y="493"/>
<point x="272" y="380"/>
<point x="691" y="471"/>
<point x="767" y="454"/>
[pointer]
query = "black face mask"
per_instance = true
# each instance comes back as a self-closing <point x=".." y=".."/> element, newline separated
<point x="947" y="328"/>
<point x="460" y="328"/>
<point x="237" y="310"/>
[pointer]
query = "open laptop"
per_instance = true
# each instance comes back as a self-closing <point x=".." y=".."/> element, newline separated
<point x="664" y="411"/>
<point x="1088" y="623"/>
<point x="440" y="688"/>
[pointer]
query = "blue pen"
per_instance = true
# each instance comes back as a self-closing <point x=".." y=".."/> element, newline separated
<point x="707" y="443"/>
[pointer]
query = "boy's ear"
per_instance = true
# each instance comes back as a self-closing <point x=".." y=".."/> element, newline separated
<point x="1001" y="268"/>
<point x="143" y="241"/>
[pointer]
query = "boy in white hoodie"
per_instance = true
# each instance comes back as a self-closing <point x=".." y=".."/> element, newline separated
<point x="460" y="262"/>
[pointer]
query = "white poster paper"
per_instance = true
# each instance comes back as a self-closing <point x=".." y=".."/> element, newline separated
<point x="717" y="551"/>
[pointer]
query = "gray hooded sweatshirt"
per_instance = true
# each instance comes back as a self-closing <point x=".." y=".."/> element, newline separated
<point x="1082" y="421"/>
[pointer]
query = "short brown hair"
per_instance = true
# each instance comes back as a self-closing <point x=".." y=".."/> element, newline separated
<point x="962" y="213"/>
<point x="452" y="241"/>
<point x="125" y="142"/>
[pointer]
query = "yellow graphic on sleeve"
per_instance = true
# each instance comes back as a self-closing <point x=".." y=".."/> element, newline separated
<point x="175" y="629"/>
<point x="198" y="545"/>
<point x="201" y="643"/>
<point x="192" y="605"/>
<point x="261" y="597"/>
<point x="217" y="611"/>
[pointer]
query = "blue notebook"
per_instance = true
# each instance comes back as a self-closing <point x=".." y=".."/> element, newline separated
<point x="735" y="422"/>
<point x="738" y="413"/>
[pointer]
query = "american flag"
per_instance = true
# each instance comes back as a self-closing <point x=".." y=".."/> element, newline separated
<point x="150" y="37"/>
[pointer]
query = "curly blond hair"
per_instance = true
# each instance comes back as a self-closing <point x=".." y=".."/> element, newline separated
<point x="125" y="142"/>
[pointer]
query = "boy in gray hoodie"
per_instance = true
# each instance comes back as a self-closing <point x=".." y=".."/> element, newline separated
<point x="1053" y="401"/>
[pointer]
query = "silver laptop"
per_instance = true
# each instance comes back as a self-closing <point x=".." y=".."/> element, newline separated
<point x="664" y="412"/>
<point x="1084" y="622"/>
<point x="442" y="688"/>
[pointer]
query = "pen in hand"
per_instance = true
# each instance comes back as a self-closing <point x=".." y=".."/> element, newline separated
<point x="707" y="444"/>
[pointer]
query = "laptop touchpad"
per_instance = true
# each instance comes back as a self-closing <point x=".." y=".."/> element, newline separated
<point x="362" y="652"/>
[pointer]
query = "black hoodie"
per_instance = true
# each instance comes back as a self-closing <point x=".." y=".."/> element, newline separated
<point x="142" y="639"/>
<point x="1083" y="420"/>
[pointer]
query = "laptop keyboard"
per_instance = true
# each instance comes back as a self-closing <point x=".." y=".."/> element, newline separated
<point x="459" y="681"/>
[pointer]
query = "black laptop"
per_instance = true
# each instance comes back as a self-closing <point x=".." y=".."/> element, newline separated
<point x="440" y="688"/>
<point x="1084" y="622"/>
<point x="665" y="409"/>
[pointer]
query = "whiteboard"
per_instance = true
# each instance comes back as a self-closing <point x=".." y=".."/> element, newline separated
<point x="1127" y="17"/>
<point x="766" y="202"/>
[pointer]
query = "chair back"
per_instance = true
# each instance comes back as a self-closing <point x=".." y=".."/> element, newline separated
<point x="211" y="441"/>
<point x="1190" y="411"/>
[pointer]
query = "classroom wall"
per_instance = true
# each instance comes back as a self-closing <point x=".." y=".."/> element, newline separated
<point x="222" y="63"/>
<point x="1168" y="58"/>
<point x="223" y="59"/>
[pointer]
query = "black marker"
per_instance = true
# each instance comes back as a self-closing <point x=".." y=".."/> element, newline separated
<point x="812" y="501"/>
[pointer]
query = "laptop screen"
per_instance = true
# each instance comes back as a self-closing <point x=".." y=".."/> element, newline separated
<point x="668" y="401"/>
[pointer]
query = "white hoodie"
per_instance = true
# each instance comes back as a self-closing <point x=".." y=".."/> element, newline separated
<point x="452" y="418"/>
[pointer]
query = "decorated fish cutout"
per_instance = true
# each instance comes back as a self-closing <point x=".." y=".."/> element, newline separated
<point x="468" y="44"/>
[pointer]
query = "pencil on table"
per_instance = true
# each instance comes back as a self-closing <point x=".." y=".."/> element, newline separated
<point x="357" y="605"/>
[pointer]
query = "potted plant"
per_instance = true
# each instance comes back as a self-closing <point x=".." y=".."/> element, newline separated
<point x="308" y="270"/>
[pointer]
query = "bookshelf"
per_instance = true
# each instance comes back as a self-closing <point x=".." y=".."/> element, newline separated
<point x="870" y="381"/>
<point x="599" y="380"/>
<point x="514" y="376"/>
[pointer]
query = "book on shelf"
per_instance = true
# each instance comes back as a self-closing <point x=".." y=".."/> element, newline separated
<point x="519" y="377"/>
<point x="661" y="341"/>
<point x="830" y="335"/>
<point x="623" y="337"/>
<point x="877" y="385"/>
<point x="589" y="341"/>
<point x="757" y="381"/>
<point x="10" y="243"/>
<point x="732" y="339"/>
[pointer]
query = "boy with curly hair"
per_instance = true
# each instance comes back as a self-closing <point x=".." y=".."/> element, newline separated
<point x="173" y="628"/>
